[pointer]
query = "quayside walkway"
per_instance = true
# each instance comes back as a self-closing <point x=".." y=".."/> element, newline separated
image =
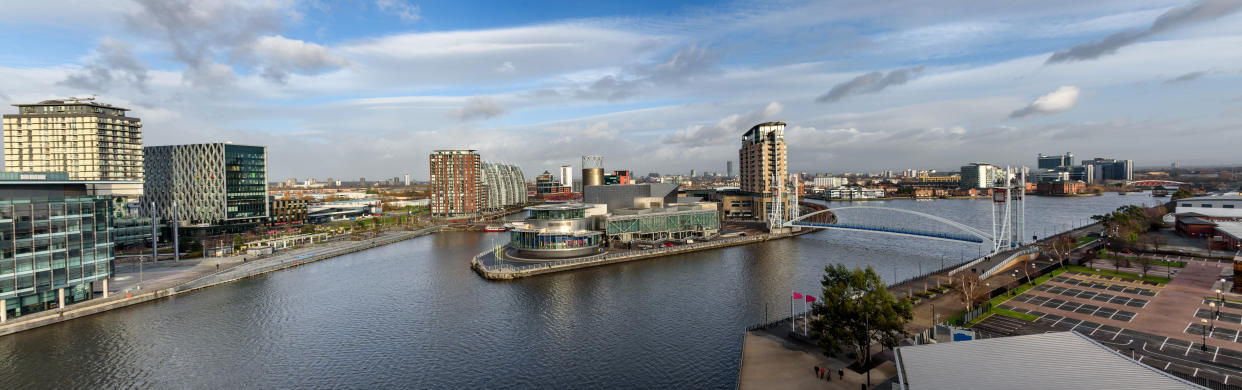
<point x="157" y="289"/>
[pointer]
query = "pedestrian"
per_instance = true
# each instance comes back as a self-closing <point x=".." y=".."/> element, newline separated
<point x="828" y="377"/>
<point x="841" y="373"/>
<point x="816" y="370"/>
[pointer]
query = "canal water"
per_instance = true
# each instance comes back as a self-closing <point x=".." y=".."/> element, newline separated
<point x="413" y="315"/>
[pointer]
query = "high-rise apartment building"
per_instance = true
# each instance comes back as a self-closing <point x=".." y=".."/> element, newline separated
<point x="407" y="180"/>
<point x="457" y="184"/>
<point x="763" y="157"/>
<point x="729" y="168"/>
<point x="567" y="176"/>
<point x="85" y="139"/>
<point x="505" y="185"/>
<point x="96" y="143"/>
<point x="214" y="184"/>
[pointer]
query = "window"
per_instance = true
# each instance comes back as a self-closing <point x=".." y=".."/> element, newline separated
<point x="1186" y="205"/>
<point x="1228" y="206"/>
<point x="1206" y="205"/>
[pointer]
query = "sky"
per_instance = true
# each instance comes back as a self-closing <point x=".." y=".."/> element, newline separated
<point x="368" y="88"/>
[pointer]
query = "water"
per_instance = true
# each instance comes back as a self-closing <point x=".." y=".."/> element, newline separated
<point x="413" y="315"/>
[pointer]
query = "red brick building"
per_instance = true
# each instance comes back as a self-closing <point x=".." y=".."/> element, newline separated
<point x="1064" y="187"/>
<point x="457" y="184"/>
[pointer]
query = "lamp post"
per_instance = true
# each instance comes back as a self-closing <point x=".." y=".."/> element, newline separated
<point x="1203" y="347"/>
<point x="1220" y="297"/>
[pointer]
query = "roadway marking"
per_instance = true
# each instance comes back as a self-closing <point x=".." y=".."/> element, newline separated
<point x="1196" y="372"/>
<point x="1166" y="365"/>
<point x="1141" y="358"/>
<point x="1215" y="354"/>
<point x="1166" y="340"/>
<point x="1118" y="333"/>
<point x="1188" y="349"/>
<point x="1097" y="329"/>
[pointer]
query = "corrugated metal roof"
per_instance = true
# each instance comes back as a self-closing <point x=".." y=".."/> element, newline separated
<point x="1061" y="360"/>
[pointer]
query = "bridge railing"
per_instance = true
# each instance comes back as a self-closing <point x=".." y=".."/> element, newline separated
<point x="913" y="232"/>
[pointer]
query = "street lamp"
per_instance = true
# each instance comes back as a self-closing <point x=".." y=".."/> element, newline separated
<point x="1220" y="296"/>
<point x="1203" y="347"/>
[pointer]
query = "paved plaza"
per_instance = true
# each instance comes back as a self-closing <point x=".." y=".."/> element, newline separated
<point x="1159" y="324"/>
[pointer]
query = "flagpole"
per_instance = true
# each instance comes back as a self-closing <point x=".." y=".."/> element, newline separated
<point x="804" y="317"/>
<point x="793" y="327"/>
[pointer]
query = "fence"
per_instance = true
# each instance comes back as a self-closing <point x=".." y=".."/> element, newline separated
<point x="1001" y="265"/>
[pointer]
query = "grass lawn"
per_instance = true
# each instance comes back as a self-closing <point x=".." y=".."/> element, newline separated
<point x="1127" y="275"/>
<point x="1025" y="286"/>
<point x="1162" y="263"/>
<point x="1086" y="239"/>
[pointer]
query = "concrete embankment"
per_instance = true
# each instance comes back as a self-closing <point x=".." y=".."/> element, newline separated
<point x="505" y="272"/>
<point x="242" y="271"/>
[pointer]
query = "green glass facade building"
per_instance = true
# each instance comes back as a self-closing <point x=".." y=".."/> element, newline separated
<point x="213" y="184"/>
<point x="55" y="243"/>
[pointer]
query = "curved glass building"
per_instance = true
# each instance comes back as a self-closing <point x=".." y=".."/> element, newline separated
<point x="556" y="231"/>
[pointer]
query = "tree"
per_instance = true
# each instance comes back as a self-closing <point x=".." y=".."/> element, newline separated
<point x="970" y="286"/>
<point x="1027" y="267"/>
<point x="1182" y="193"/>
<point x="1059" y="248"/>
<point x="857" y="310"/>
<point x="1145" y="266"/>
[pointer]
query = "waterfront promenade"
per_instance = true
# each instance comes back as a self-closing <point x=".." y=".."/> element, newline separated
<point x="170" y="279"/>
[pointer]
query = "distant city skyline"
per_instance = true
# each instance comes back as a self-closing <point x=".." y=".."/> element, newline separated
<point x="372" y="87"/>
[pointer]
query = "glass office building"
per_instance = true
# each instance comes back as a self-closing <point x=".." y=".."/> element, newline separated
<point x="55" y="243"/>
<point x="213" y="184"/>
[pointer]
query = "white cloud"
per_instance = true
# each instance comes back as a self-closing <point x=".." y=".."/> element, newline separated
<point x="403" y="10"/>
<point x="280" y="56"/>
<point x="1061" y="100"/>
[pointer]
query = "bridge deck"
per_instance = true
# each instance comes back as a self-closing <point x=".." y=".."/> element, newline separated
<point x="908" y="232"/>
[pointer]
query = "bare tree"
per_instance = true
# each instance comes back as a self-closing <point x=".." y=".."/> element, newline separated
<point x="970" y="286"/>
<point x="1059" y="248"/>
<point x="1146" y="265"/>
<point x="1026" y="266"/>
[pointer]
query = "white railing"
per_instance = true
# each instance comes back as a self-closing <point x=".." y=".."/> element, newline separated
<point x="511" y="268"/>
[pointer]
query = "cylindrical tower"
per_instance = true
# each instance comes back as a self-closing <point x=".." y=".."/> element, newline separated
<point x="592" y="171"/>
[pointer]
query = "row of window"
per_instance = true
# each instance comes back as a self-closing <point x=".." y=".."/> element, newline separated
<point x="1207" y="205"/>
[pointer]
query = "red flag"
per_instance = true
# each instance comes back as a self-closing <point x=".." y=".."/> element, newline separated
<point x="797" y="296"/>
<point x="810" y="298"/>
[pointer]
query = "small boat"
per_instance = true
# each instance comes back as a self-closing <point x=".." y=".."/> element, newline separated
<point x="494" y="228"/>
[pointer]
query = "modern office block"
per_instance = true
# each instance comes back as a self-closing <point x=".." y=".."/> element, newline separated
<point x="213" y="184"/>
<point x="56" y="243"/>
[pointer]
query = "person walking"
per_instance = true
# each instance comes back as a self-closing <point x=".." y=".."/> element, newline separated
<point x="841" y="373"/>
<point x="817" y="370"/>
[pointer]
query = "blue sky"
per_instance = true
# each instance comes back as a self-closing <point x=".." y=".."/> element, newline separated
<point x="370" y="87"/>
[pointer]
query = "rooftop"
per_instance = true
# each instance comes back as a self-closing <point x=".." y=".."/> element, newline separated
<point x="71" y="101"/>
<point x="559" y="206"/>
<point x="1059" y="360"/>
<point x="1213" y="197"/>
